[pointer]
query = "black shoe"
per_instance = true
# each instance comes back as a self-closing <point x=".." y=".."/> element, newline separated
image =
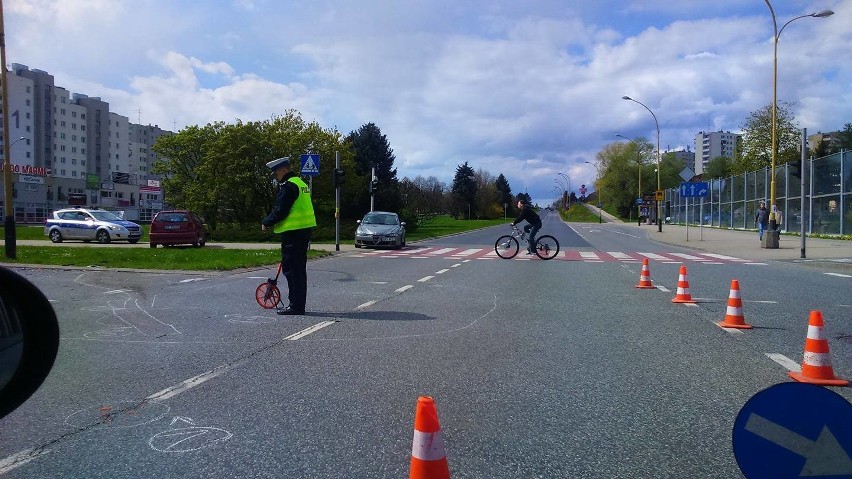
<point x="289" y="310"/>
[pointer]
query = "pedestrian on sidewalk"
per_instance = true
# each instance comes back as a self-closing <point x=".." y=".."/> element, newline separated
<point x="761" y="219"/>
<point x="779" y="218"/>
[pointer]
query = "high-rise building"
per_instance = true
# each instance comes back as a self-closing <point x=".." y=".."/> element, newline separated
<point x="71" y="150"/>
<point x="713" y="145"/>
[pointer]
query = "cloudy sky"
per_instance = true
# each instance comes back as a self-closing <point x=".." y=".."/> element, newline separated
<point x="522" y="88"/>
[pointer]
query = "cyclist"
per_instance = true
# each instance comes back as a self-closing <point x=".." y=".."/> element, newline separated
<point x="527" y="213"/>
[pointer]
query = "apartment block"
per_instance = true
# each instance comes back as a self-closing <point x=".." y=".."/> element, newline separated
<point x="709" y="145"/>
<point x="69" y="149"/>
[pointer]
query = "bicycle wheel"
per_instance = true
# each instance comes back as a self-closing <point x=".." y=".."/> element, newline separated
<point x="546" y="247"/>
<point x="506" y="247"/>
<point x="267" y="295"/>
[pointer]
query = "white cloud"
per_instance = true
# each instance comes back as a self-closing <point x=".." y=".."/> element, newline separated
<point x="520" y="89"/>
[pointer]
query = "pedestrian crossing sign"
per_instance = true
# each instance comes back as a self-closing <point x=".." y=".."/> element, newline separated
<point x="310" y="165"/>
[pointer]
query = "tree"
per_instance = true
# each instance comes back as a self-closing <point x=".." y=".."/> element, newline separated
<point x="220" y="169"/>
<point x="504" y="194"/>
<point x="844" y="138"/>
<point x="719" y="167"/>
<point x="372" y="150"/>
<point x="463" y="190"/>
<point x="755" y="152"/>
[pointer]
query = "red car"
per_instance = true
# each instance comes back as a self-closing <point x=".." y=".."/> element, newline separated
<point x="177" y="227"/>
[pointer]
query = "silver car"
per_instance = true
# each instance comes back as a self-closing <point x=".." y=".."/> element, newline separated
<point x="90" y="224"/>
<point x="380" y="228"/>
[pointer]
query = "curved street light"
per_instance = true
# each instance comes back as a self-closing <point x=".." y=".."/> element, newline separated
<point x="598" y="189"/>
<point x="773" y="225"/>
<point x="569" y="186"/>
<point x="659" y="205"/>
<point x="564" y="190"/>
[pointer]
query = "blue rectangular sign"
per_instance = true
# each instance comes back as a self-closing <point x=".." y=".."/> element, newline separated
<point x="694" y="189"/>
<point x="310" y="165"/>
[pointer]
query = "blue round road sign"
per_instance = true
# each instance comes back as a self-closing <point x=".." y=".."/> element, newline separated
<point x="794" y="430"/>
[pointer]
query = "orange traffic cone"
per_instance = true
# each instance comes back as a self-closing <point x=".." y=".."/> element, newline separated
<point x="734" y="316"/>
<point x="816" y="365"/>
<point x="645" y="276"/>
<point x="682" y="295"/>
<point x="428" y="459"/>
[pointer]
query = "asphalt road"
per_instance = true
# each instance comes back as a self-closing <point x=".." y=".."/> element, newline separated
<point x="538" y="368"/>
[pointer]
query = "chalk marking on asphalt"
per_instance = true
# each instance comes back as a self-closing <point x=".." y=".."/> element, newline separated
<point x="366" y="305"/>
<point x="404" y="288"/>
<point x="117" y="291"/>
<point x="761" y="301"/>
<point x="839" y="275"/>
<point x="19" y="459"/>
<point x="301" y="334"/>
<point x="785" y="361"/>
<point x="190" y="383"/>
<point x="424" y="279"/>
<point x="442" y="271"/>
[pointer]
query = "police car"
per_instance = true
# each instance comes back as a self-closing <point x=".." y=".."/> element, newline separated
<point x="90" y="224"/>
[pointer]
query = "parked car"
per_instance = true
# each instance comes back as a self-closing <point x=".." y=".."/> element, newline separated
<point x="90" y="224"/>
<point x="171" y="227"/>
<point x="380" y="228"/>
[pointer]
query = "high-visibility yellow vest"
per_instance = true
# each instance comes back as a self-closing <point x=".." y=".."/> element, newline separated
<point x="301" y="214"/>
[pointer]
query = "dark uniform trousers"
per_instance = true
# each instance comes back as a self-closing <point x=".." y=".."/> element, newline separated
<point x="294" y="260"/>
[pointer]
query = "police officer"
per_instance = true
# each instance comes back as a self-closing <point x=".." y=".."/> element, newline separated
<point x="293" y="217"/>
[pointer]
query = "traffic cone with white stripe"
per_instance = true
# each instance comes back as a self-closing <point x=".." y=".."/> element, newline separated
<point x="816" y="365"/>
<point x="428" y="459"/>
<point x="734" y="316"/>
<point x="645" y="276"/>
<point x="682" y="295"/>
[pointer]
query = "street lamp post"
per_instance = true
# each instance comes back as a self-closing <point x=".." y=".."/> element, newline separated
<point x="659" y="205"/>
<point x="638" y="162"/>
<point x="569" y="187"/>
<point x="773" y="225"/>
<point x="563" y="190"/>
<point x="600" y="196"/>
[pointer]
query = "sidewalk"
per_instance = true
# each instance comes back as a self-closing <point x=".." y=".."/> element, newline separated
<point x="738" y="243"/>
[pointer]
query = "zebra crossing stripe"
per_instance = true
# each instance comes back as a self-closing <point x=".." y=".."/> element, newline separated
<point x="567" y="255"/>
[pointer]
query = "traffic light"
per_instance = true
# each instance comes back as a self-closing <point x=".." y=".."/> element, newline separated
<point x="337" y="176"/>
<point x="374" y="185"/>
<point x="795" y="168"/>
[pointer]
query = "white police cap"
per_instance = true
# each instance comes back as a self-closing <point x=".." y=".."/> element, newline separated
<point x="274" y="164"/>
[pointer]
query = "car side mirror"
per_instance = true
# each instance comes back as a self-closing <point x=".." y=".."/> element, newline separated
<point x="403" y="223"/>
<point x="358" y="221"/>
<point x="29" y="339"/>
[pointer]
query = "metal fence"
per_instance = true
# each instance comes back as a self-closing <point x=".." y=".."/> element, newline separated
<point x="733" y="202"/>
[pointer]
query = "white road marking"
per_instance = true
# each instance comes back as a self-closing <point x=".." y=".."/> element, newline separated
<point x="756" y="264"/>
<point x="664" y="289"/>
<point x="441" y="251"/>
<point x="404" y="288"/>
<point x="442" y="271"/>
<point x="653" y="256"/>
<point x="301" y="334"/>
<point x="785" y="361"/>
<point x="366" y="305"/>
<point x="184" y="386"/>
<point x="424" y="279"/>
<point x="191" y="280"/>
<point x="456" y="265"/>
<point x="467" y="252"/>
<point x="621" y="256"/>
<point x="839" y="275"/>
<point x="19" y="459"/>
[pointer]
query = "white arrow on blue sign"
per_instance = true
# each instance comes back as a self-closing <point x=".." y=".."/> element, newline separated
<point x="694" y="189"/>
<point x="310" y="165"/>
<point x="794" y="430"/>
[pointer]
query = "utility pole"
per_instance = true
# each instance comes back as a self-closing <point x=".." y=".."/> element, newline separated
<point x="8" y="207"/>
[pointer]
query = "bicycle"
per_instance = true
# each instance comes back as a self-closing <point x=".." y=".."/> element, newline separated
<point x="267" y="294"/>
<point x="507" y="246"/>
